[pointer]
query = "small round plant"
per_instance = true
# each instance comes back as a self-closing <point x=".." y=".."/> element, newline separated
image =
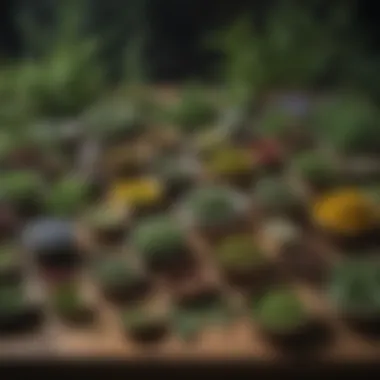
<point x="272" y="195"/>
<point x="160" y="241"/>
<point x="354" y="289"/>
<point x="69" y="304"/>
<point x="213" y="207"/>
<point x="283" y="318"/>
<point x="315" y="169"/>
<point x="143" y="326"/>
<point x="16" y="312"/>
<point x="67" y="197"/>
<point x="10" y="268"/>
<point x="241" y="260"/>
<point x="24" y="190"/>
<point x="118" y="280"/>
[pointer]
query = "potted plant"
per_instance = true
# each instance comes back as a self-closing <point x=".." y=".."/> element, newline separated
<point x="10" y="266"/>
<point x="347" y="216"/>
<point x="233" y="165"/>
<point x="9" y="222"/>
<point x="142" y="195"/>
<point x="315" y="170"/>
<point x="161" y="243"/>
<point x="214" y="210"/>
<point x="178" y="175"/>
<point x="354" y="293"/>
<point x="143" y="326"/>
<point x="53" y="244"/>
<point x="242" y="262"/>
<point x="119" y="281"/>
<point x="109" y="225"/>
<point x="283" y="319"/>
<point x="272" y="196"/>
<point x="67" y="197"/>
<point x="69" y="305"/>
<point x="16" y="312"/>
<point x="24" y="191"/>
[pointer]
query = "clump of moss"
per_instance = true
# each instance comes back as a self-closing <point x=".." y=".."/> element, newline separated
<point x="23" y="189"/>
<point x="280" y="312"/>
<point x="213" y="206"/>
<point x="239" y="253"/>
<point x="160" y="241"/>
<point x="273" y="195"/>
<point x="144" y="326"/>
<point x="350" y="124"/>
<point x="67" y="197"/>
<point x="69" y="304"/>
<point x="193" y="111"/>
<point x="118" y="280"/>
<point x="315" y="169"/>
<point x="354" y="288"/>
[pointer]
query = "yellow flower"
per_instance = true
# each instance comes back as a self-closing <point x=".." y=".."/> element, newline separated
<point x="346" y="211"/>
<point x="136" y="192"/>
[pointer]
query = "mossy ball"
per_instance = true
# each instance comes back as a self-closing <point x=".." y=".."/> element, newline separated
<point x="280" y="311"/>
<point x="273" y="194"/>
<point x="239" y="252"/>
<point x="213" y="206"/>
<point x="159" y="239"/>
<point x="355" y="286"/>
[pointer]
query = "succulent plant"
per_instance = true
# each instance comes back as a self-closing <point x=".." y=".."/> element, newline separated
<point x="18" y="186"/>
<point x="347" y="212"/>
<point x="239" y="253"/>
<point x="350" y="124"/>
<point x="159" y="240"/>
<point x="354" y="287"/>
<point x="117" y="278"/>
<point x="213" y="206"/>
<point x="193" y="111"/>
<point x="67" y="197"/>
<point x="143" y="325"/>
<point x="280" y="312"/>
<point x="273" y="194"/>
<point x="66" y="299"/>
<point x="315" y="168"/>
<point x="12" y="300"/>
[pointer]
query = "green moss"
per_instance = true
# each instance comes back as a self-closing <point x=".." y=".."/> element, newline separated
<point x="314" y="168"/>
<point x="114" y="272"/>
<point x="239" y="252"/>
<point x="355" y="286"/>
<point x="159" y="239"/>
<point x="350" y="124"/>
<point x="67" y="299"/>
<point x="67" y="197"/>
<point x="20" y="185"/>
<point x="12" y="299"/>
<point x="193" y="111"/>
<point x="212" y="206"/>
<point x="273" y="194"/>
<point x="280" y="312"/>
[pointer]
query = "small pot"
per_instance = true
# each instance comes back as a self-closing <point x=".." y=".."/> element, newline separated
<point x="81" y="316"/>
<point x="150" y="333"/>
<point x="127" y="293"/>
<point x="305" y="339"/>
<point x="24" y="320"/>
